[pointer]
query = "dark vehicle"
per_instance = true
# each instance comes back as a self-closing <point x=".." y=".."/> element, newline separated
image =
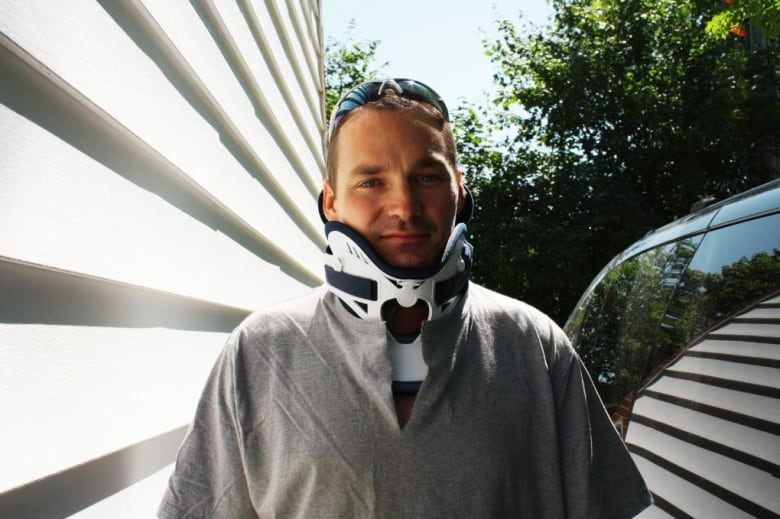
<point x="681" y="334"/>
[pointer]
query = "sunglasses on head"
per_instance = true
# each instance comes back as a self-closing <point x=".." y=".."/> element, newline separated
<point x="373" y="90"/>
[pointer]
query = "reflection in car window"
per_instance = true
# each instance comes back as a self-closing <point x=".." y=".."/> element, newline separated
<point x="623" y="316"/>
<point x="734" y="267"/>
<point x="648" y="308"/>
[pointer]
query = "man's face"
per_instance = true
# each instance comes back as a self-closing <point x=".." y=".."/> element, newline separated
<point x="394" y="186"/>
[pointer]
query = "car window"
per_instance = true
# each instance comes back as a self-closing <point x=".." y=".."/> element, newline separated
<point x="622" y="317"/>
<point x="646" y="309"/>
<point x="734" y="267"/>
<point x="767" y="200"/>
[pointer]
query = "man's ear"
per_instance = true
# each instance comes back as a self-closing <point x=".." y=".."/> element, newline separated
<point x="465" y="205"/>
<point x="461" y="193"/>
<point x="329" y="202"/>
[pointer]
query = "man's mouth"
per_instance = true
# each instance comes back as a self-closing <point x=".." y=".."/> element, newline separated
<point x="405" y="237"/>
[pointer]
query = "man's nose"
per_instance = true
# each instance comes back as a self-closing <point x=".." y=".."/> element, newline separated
<point x="404" y="202"/>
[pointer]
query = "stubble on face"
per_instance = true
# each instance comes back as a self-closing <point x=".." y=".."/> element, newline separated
<point x="395" y="186"/>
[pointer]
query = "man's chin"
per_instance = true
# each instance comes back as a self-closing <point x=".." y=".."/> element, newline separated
<point x="408" y="260"/>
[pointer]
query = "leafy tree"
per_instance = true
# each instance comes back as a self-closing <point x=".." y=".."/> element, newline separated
<point x="347" y="64"/>
<point x="740" y="16"/>
<point x="614" y="120"/>
<point x="607" y="124"/>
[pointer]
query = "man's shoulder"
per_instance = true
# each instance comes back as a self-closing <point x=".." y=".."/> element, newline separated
<point x="295" y="312"/>
<point x="502" y="309"/>
<point x="492" y="302"/>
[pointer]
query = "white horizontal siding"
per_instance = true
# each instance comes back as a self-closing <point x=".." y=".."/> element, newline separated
<point x="306" y="48"/>
<point x="760" y="313"/>
<point x="750" y="330"/>
<point x="270" y="20"/>
<point x="134" y="93"/>
<point x="306" y="141"/>
<point x="74" y="393"/>
<point x="309" y="12"/>
<point x="243" y="109"/>
<point x="158" y="181"/>
<point x="736" y="436"/>
<point x="685" y="496"/>
<point x="61" y="208"/>
<point x="748" y="482"/>
<point x="755" y="350"/>
<point x="306" y="114"/>
<point x="653" y="512"/>
<point x="705" y="433"/>
<point x="139" y="501"/>
<point x="733" y="371"/>
<point x="756" y="406"/>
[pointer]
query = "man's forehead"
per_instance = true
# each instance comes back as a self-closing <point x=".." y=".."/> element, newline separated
<point x="378" y="116"/>
<point x="381" y="128"/>
<point x="434" y="160"/>
<point x="375" y="136"/>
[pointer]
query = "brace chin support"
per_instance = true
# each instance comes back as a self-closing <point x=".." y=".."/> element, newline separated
<point x="364" y="282"/>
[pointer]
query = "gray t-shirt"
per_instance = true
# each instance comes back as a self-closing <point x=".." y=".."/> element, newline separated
<point x="297" y="420"/>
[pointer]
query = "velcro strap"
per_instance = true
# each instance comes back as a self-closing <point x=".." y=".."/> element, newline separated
<point x="353" y="285"/>
<point x="449" y="288"/>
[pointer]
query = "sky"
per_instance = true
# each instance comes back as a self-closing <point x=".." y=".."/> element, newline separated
<point x="438" y="42"/>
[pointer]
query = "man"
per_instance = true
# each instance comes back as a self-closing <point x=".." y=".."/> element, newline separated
<point x="399" y="388"/>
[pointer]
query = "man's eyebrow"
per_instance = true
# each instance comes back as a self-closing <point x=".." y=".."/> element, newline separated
<point x="366" y="170"/>
<point x="430" y="162"/>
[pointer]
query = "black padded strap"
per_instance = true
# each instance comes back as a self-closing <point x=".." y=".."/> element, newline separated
<point x="354" y="285"/>
<point x="449" y="288"/>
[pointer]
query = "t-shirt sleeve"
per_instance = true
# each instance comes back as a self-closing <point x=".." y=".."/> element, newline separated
<point x="600" y="479"/>
<point x="208" y="480"/>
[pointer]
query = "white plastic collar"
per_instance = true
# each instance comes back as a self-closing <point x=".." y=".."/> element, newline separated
<point x="407" y="359"/>
<point x="364" y="282"/>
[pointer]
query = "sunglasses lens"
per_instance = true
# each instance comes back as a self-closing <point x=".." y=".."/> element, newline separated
<point x="420" y="92"/>
<point x="358" y="97"/>
<point x="370" y="91"/>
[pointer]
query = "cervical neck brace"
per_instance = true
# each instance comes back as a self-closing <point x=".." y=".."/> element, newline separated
<point x="406" y="359"/>
<point x="364" y="282"/>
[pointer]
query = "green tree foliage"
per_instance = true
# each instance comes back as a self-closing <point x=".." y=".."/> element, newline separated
<point x="607" y="124"/>
<point x="347" y="64"/>
<point x="740" y="17"/>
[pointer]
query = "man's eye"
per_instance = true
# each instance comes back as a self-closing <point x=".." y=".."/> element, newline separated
<point x="369" y="183"/>
<point x="429" y="178"/>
